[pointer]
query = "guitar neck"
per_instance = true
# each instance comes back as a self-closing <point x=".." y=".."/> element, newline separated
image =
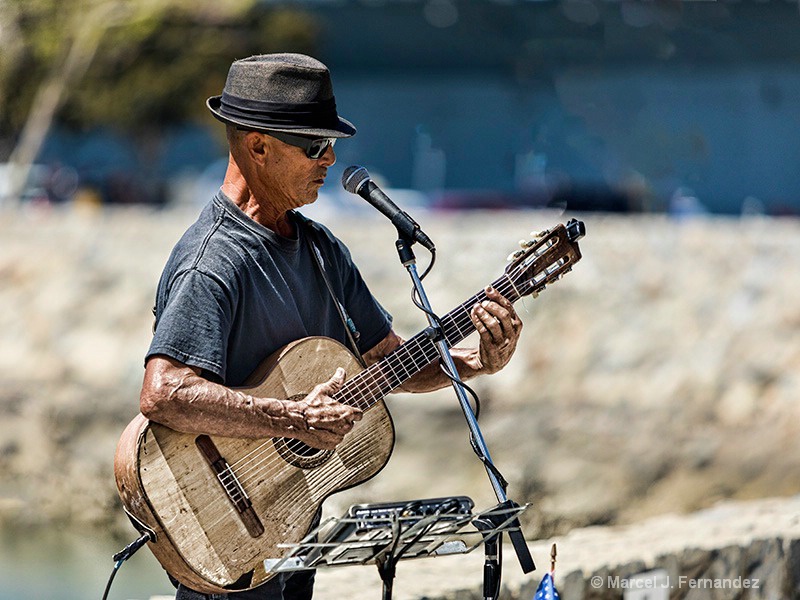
<point x="373" y="383"/>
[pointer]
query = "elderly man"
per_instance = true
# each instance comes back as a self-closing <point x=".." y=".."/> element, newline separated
<point x="243" y="282"/>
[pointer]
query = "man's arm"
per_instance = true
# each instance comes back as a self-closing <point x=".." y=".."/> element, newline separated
<point x="499" y="328"/>
<point x="176" y="395"/>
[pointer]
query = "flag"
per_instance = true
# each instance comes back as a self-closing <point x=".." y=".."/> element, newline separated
<point x="547" y="589"/>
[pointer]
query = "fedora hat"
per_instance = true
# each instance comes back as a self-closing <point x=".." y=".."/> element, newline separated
<point x="292" y="93"/>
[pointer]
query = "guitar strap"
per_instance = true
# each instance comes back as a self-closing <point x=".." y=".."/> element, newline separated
<point x="349" y="327"/>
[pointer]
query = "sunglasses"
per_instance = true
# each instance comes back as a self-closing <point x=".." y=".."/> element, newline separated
<point x="314" y="147"/>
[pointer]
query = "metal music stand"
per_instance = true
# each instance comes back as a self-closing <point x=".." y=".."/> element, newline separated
<point x="385" y="533"/>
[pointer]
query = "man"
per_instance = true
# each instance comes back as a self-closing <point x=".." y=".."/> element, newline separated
<point x="243" y="281"/>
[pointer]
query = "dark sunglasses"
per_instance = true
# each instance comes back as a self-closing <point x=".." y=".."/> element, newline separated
<point x="314" y="147"/>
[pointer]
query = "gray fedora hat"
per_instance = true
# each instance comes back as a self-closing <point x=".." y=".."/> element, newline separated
<point x="280" y="92"/>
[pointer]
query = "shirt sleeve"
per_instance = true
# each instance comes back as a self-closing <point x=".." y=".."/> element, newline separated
<point x="193" y="322"/>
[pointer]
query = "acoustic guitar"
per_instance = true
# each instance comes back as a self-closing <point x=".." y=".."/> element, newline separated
<point x="217" y="507"/>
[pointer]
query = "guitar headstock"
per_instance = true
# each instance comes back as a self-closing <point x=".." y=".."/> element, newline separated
<point x="545" y="258"/>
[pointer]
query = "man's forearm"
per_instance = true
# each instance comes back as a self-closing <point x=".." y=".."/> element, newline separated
<point x="184" y="401"/>
<point x="177" y="396"/>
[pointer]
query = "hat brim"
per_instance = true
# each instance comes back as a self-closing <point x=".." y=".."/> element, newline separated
<point x="344" y="130"/>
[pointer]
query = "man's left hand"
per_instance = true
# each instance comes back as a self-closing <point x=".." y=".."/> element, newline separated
<point x="499" y="328"/>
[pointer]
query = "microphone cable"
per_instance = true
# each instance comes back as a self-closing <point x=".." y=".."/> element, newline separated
<point x="123" y="555"/>
<point x="455" y="378"/>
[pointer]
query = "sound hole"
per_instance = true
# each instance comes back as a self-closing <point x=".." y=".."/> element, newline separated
<point x="300" y="448"/>
<point x="301" y="455"/>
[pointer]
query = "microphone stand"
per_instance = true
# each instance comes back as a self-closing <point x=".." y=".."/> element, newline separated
<point x="492" y="567"/>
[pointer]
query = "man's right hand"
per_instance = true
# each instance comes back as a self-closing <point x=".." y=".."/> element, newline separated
<point x="323" y="421"/>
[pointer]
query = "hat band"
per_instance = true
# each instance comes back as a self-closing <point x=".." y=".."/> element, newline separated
<point x="319" y="114"/>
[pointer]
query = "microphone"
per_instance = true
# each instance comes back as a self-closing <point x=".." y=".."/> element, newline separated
<point x="356" y="180"/>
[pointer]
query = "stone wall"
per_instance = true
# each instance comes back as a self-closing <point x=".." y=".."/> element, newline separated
<point x="660" y="376"/>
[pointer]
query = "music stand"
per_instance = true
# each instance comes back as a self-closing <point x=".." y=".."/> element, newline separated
<point x="385" y="533"/>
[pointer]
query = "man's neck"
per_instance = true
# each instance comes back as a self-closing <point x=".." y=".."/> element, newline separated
<point x="236" y="188"/>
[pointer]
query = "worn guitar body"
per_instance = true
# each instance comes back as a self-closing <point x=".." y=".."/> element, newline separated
<point x="204" y="538"/>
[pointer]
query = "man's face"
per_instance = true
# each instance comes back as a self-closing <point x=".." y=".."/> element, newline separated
<point x="291" y="178"/>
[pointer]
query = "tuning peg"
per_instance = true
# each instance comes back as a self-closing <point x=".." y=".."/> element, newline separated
<point x="525" y="244"/>
<point x="514" y="255"/>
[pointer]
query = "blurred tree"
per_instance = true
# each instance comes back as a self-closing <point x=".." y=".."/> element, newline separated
<point x="133" y="64"/>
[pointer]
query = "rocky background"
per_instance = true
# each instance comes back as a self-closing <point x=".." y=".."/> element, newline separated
<point x="660" y="376"/>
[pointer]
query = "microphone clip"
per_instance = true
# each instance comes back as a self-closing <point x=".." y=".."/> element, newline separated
<point x="434" y="334"/>
<point x="403" y="245"/>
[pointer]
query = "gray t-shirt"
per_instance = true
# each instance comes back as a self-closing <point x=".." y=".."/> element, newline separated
<point x="233" y="292"/>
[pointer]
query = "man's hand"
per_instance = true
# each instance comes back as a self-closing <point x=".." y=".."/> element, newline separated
<point x="499" y="328"/>
<point x="325" y="421"/>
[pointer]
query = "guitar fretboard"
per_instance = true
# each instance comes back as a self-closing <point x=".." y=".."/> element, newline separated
<point x="373" y="383"/>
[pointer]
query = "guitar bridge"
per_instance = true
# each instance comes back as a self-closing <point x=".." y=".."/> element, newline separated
<point x="231" y="485"/>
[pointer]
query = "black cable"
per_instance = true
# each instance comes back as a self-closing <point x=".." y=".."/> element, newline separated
<point x="430" y="265"/>
<point x="454" y="377"/>
<point x="131" y="548"/>
<point x="499" y="570"/>
<point x="488" y="463"/>
<point x="123" y="555"/>
<point x="473" y="393"/>
<point x="117" y="565"/>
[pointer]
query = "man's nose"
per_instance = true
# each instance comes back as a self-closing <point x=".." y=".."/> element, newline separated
<point x="329" y="157"/>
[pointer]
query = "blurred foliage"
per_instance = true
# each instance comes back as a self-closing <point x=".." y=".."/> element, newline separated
<point x="155" y="61"/>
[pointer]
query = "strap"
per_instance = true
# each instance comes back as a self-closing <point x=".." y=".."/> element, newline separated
<point x="349" y="327"/>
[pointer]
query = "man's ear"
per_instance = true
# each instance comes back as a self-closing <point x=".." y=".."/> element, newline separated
<point x="256" y="146"/>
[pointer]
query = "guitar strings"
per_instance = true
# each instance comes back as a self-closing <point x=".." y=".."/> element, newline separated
<point x="221" y="510"/>
<point x="365" y="396"/>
